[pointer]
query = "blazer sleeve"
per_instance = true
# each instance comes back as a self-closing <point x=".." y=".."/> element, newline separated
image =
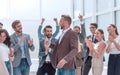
<point x="83" y="32"/>
<point x="57" y="31"/>
<point x="32" y="48"/>
<point x="73" y="47"/>
<point x="14" y="43"/>
<point x="40" y="35"/>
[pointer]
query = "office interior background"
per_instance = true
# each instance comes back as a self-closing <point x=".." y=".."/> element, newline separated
<point x="30" y="12"/>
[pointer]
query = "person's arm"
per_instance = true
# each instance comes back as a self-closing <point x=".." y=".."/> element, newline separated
<point x="57" y="28"/>
<point x="14" y="44"/>
<point x="40" y="35"/>
<point x="117" y="45"/>
<point x="30" y="44"/>
<point x="83" y="32"/>
<point x="99" y="50"/>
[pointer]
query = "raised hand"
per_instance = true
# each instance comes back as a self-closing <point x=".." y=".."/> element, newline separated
<point x="80" y="17"/>
<point x="56" y="21"/>
<point x="42" y="21"/>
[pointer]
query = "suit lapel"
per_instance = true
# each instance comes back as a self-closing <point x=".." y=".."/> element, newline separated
<point x="64" y="36"/>
<point x="15" y="38"/>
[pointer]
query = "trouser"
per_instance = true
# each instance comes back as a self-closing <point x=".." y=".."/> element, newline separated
<point x="87" y="65"/>
<point x="46" y="68"/>
<point x="114" y="64"/>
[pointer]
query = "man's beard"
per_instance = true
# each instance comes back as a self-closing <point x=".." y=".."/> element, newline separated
<point x="19" y="31"/>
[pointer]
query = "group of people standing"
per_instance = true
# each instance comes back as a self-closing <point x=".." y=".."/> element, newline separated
<point x="14" y="51"/>
<point x="73" y="53"/>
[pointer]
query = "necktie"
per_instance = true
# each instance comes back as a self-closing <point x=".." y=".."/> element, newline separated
<point x="92" y="38"/>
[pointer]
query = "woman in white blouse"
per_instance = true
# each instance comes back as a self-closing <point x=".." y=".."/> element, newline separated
<point x="113" y="49"/>
<point x="5" y="51"/>
<point x="97" y="52"/>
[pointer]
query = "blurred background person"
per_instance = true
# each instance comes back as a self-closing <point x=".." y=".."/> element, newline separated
<point x="81" y="36"/>
<point x="88" y="58"/>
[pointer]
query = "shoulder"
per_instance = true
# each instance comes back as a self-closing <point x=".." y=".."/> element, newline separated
<point x="103" y="44"/>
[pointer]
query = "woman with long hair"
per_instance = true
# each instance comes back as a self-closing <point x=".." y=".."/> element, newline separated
<point x="97" y="52"/>
<point x="5" y="50"/>
<point x="113" y="49"/>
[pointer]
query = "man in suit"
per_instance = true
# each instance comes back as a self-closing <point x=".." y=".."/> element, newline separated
<point x="66" y="48"/>
<point x="45" y="53"/>
<point x="87" y="60"/>
<point x="21" y="43"/>
<point x="41" y="36"/>
<point x="81" y="35"/>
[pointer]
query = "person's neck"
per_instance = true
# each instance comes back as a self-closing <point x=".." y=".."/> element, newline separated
<point x="18" y="33"/>
<point x="65" y="28"/>
<point x="114" y="35"/>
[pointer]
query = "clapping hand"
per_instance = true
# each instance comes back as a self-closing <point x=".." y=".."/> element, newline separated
<point x="30" y="42"/>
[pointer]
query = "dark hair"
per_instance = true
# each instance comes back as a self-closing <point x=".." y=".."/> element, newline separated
<point x="48" y="26"/>
<point x="67" y="18"/>
<point x="94" y="24"/>
<point x="114" y="26"/>
<point x="101" y="31"/>
<point x="1" y="24"/>
<point x="77" y="27"/>
<point x="15" y="23"/>
<point x="7" y="41"/>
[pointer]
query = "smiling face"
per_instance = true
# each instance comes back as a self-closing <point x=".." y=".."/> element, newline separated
<point x="92" y="29"/>
<point x="2" y="37"/>
<point x="48" y="32"/>
<point x="99" y="34"/>
<point x="18" y="28"/>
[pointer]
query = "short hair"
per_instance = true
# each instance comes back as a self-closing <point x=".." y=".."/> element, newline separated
<point x="94" y="24"/>
<point x="48" y="26"/>
<point x="1" y="24"/>
<point x="67" y="18"/>
<point x="77" y="27"/>
<point x="15" y="23"/>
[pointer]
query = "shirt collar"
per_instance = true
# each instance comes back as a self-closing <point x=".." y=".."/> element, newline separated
<point x="64" y="31"/>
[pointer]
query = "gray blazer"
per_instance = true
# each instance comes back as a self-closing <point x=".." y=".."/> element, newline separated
<point x="42" y="56"/>
<point x="17" y="50"/>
